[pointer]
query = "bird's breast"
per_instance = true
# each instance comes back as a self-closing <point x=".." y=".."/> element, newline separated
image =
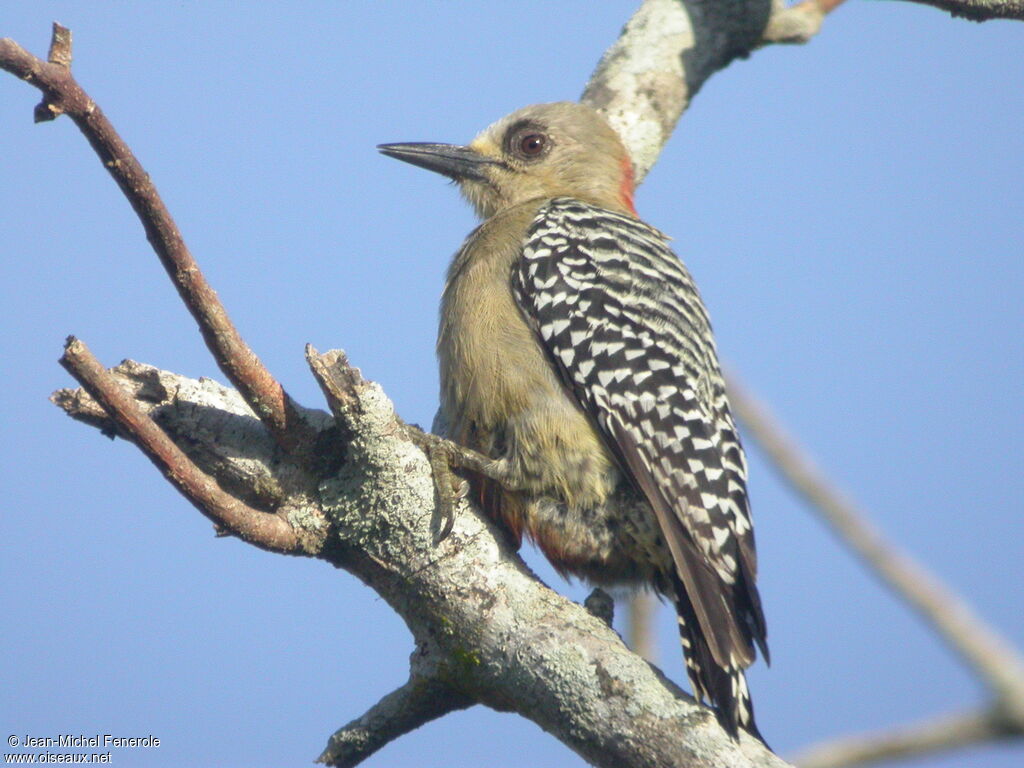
<point x="499" y="392"/>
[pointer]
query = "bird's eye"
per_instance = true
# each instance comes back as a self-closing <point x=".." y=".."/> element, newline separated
<point x="532" y="144"/>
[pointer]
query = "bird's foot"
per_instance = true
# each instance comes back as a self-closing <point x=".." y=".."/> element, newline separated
<point x="444" y="455"/>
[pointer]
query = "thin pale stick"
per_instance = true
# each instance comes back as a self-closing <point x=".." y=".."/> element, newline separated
<point x="962" y="629"/>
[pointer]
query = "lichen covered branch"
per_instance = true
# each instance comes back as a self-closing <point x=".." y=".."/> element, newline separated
<point x="668" y="50"/>
<point x="262" y="529"/>
<point x="416" y="703"/>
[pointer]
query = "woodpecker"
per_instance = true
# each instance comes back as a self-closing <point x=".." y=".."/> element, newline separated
<point x="575" y="353"/>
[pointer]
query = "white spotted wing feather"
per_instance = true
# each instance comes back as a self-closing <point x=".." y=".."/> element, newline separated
<point x="621" y="318"/>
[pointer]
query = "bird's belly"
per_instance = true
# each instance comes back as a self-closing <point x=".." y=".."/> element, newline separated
<point x="583" y="514"/>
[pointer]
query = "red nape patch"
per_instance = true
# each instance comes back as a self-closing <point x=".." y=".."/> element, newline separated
<point x="627" y="187"/>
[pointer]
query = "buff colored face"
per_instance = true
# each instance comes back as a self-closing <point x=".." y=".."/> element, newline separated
<point x="550" y="150"/>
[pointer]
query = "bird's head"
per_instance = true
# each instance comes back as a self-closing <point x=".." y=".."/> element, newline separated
<point x="542" y="151"/>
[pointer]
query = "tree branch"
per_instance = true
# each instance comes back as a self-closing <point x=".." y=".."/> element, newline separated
<point x="966" y="634"/>
<point x="486" y="629"/>
<point x="668" y="50"/>
<point x="797" y="23"/>
<point x="416" y="703"/>
<point x="264" y="530"/>
<point x="963" y="630"/>
<point x="935" y="735"/>
<point x="979" y="10"/>
<point x="62" y="94"/>
<point x="218" y="431"/>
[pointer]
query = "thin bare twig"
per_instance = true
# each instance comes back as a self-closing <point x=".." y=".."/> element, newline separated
<point x="641" y="614"/>
<point x="935" y="735"/>
<point x="264" y="530"/>
<point x="62" y="94"/>
<point x="962" y="629"/>
<point x="970" y="637"/>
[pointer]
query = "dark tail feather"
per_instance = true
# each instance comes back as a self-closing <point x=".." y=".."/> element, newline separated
<point x="725" y="688"/>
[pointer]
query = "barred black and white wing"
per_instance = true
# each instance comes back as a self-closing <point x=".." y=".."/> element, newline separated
<point x="622" y="321"/>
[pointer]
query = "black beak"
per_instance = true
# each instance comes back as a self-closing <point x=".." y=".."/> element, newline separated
<point x="450" y="160"/>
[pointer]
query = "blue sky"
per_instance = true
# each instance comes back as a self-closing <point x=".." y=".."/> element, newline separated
<point x="852" y="210"/>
